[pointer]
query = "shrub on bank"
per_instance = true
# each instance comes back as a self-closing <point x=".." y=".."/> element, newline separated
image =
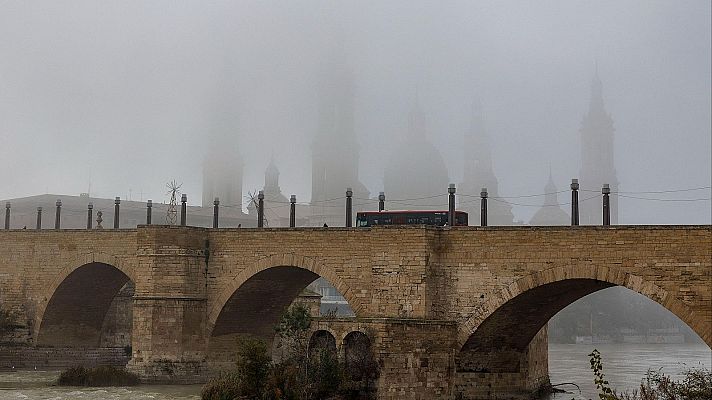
<point x="99" y="376"/>
<point x="696" y="385"/>
<point x="299" y="375"/>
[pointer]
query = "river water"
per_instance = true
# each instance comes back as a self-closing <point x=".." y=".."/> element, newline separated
<point x="623" y="364"/>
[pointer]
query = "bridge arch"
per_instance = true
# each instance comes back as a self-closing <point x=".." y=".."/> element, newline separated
<point x="289" y="260"/>
<point x="526" y="305"/>
<point x="252" y="303"/>
<point x="73" y="309"/>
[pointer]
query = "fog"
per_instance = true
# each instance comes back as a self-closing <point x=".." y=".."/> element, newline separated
<point x="125" y="96"/>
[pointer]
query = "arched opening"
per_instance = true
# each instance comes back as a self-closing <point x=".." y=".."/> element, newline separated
<point x="90" y="308"/>
<point x="322" y="341"/>
<point x="510" y="343"/>
<point x="255" y="308"/>
<point x="359" y="360"/>
<point x="633" y="334"/>
<point x="499" y="342"/>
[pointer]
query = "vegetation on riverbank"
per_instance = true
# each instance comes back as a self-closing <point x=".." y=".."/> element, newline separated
<point x="99" y="376"/>
<point x="301" y="374"/>
<point x="696" y="384"/>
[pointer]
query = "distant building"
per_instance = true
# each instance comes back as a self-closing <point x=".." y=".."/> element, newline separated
<point x="335" y="152"/>
<point x="479" y="174"/>
<point x="550" y="213"/>
<point x="277" y="206"/>
<point x="416" y="176"/>
<point x="597" y="159"/>
<point x="222" y="174"/>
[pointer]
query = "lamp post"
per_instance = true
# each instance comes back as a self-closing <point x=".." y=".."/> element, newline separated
<point x="574" y="202"/>
<point x="451" y="205"/>
<point x="292" y="211"/>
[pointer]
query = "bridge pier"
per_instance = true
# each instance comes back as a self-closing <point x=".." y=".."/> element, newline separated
<point x="503" y="373"/>
<point x="169" y="308"/>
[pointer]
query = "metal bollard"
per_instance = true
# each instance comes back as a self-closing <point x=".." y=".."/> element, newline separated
<point x="90" y="209"/>
<point x="483" y="207"/>
<point x="117" y="201"/>
<point x="57" y="214"/>
<point x="261" y="209"/>
<point x="149" y="209"/>
<point x="216" y="206"/>
<point x="183" y="208"/>
<point x="349" y="194"/>
<point x="451" y="205"/>
<point x="606" y="191"/>
<point x="574" y="202"/>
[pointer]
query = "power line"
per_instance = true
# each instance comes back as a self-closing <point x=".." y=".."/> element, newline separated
<point x="673" y="200"/>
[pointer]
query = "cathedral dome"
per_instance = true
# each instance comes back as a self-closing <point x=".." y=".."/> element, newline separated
<point x="416" y="169"/>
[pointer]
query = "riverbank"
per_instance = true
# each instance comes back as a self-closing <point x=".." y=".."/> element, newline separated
<point x="624" y="366"/>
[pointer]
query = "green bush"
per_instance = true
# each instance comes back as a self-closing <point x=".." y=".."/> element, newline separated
<point x="696" y="385"/>
<point x="299" y="375"/>
<point x="99" y="376"/>
<point x="226" y="387"/>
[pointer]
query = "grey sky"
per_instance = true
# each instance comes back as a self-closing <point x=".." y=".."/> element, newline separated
<point x="123" y="93"/>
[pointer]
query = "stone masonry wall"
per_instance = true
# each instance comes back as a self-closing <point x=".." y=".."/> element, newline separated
<point x="432" y="287"/>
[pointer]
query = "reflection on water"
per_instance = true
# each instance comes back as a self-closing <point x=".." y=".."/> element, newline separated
<point x="623" y="364"/>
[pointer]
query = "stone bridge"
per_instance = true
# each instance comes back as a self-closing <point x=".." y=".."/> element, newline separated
<point x="446" y="310"/>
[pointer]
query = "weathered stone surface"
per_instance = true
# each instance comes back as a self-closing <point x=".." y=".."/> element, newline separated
<point x="448" y="311"/>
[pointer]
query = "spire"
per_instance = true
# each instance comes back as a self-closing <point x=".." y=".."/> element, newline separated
<point x="597" y="153"/>
<point x="479" y="171"/>
<point x="272" y="175"/>
<point x="596" y="103"/>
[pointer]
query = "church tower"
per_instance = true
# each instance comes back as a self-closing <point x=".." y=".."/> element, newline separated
<point x="597" y="158"/>
<point x="278" y="215"/>
<point x="222" y="164"/>
<point x="222" y="176"/>
<point x="416" y="173"/>
<point x="479" y="174"/>
<point x="335" y="151"/>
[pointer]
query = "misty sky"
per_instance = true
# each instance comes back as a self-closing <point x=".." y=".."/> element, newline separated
<point x="123" y="93"/>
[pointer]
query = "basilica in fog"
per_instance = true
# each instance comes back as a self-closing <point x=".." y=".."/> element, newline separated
<point x="415" y="175"/>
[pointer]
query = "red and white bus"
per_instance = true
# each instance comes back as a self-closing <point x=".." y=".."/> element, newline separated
<point x="436" y="218"/>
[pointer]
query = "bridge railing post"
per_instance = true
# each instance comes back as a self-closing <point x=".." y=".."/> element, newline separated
<point x="574" y="202"/>
<point x="216" y="207"/>
<point x="606" y="191"/>
<point x="90" y="209"/>
<point x="7" y="215"/>
<point x="261" y="209"/>
<point x="292" y="211"/>
<point x="57" y="214"/>
<point x="39" y="218"/>
<point x="349" y="195"/>
<point x="381" y="201"/>
<point x="183" y="208"/>
<point x="451" y="205"/>
<point x="149" y="209"/>
<point x="117" y="202"/>
<point x="483" y="207"/>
